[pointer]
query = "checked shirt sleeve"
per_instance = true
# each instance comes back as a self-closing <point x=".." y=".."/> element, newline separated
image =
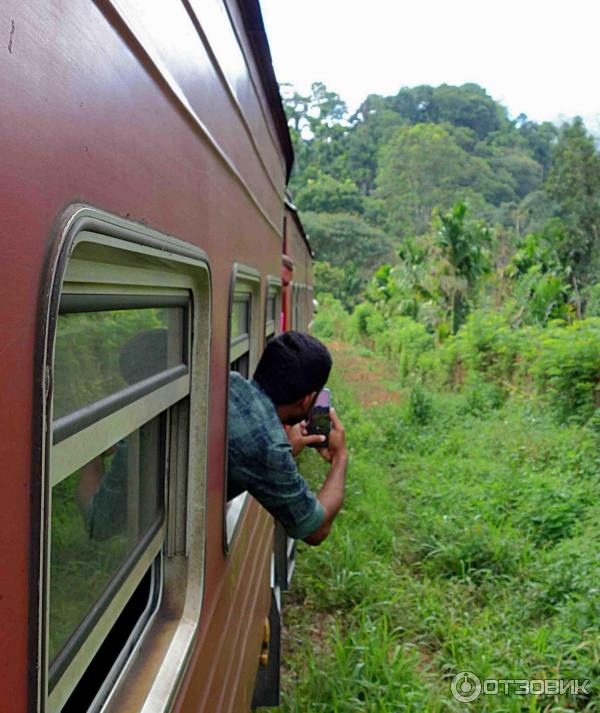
<point x="284" y="493"/>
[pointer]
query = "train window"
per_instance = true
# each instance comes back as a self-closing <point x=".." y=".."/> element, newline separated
<point x="101" y="513"/>
<point x="127" y="344"/>
<point x="100" y="353"/>
<point x="310" y="306"/>
<point x="240" y="330"/>
<point x="273" y="309"/>
<point x="243" y="357"/>
<point x="299" y="311"/>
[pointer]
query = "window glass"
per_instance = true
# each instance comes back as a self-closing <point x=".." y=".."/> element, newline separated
<point x="242" y="365"/>
<point x="99" y="514"/>
<point x="271" y="307"/>
<point x="240" y="317"/>
<point x="297" y="324"/>
<point x="100" y="353"/>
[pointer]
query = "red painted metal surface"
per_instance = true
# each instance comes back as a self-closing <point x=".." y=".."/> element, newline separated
<point x="148" y="111"/>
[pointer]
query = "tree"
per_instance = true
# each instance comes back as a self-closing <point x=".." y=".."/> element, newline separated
<point x="343" y="283"/>
<point x="423" y="168"/>
<point x="539" y="280"/>
<point x="463" y="260"/>
<point x="325" y="194"/>
<point x="344" y="240"/>
<point x="312" y="113"/>
<point x="407" y="289"/>
<point x="524" y="170"/>
<point x="574" y="184"/>
<point x="468" y="106"/>
<point x="540" y="138"/>
<point x="374" y="123"/>
<point x="318" y="124"/>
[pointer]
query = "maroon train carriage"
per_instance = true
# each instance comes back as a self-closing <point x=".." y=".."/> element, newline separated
<point x="144" y="162"/>
<point x="296" y="271"/>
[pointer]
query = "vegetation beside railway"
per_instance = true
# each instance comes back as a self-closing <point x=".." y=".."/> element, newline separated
<point x="458" y="276"/>
<point x="468" y="542"/>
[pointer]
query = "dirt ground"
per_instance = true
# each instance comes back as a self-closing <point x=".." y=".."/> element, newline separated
<point x="370" y="375"/>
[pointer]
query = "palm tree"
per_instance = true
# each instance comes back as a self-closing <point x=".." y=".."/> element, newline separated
<point x="463" y="260"/>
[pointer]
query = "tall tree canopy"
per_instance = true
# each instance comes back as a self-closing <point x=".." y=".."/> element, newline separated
<point x="345" y="239"/>
<point x="574" y="184"/>
<point x="405" y="166"/>
<point x="422" y="167"/>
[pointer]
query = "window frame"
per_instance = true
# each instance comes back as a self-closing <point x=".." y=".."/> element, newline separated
<point x="152" y="259"/>
<point x="299" y="308"/>
<point x="241" y="344"/>
<point x="310" y="307"/>
<point x="274" y="288"/>
<point x="245" y="280"/>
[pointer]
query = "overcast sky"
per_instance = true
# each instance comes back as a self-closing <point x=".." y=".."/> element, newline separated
<point x="539" y="57"/>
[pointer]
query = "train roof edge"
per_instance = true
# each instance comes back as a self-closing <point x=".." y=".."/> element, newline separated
<point x="289" y="204"/>
<point x="251" y="14"/>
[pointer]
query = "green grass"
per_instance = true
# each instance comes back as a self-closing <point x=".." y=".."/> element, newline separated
<point x="470" y="540"/>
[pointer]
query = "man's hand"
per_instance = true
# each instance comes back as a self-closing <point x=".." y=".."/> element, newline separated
<point x="331" y="495"/>
<point x="298" y="438"/>
<point x="336" y="445"/>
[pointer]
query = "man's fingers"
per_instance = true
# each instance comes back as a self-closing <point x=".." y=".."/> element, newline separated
<point x="333" y="417"/>
<point x="325" y="453"/>
<point x="309" y="440"/>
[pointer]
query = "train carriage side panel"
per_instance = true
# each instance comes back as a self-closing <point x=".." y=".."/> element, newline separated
<point x="297" y="271"/>
<point x="104" y="107"/>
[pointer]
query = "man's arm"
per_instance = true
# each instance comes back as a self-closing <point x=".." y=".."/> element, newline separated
<point x="331" y="495"/>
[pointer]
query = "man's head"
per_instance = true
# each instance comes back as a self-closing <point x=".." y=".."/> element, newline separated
<point x="293" y="368"/>
<point x="144" y="355"/>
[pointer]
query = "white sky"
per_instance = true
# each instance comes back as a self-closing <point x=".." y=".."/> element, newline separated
<point x="539" y="57"/>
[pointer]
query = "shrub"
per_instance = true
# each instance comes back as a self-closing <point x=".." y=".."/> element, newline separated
<point x="367" y="321"/>
<point x="420" y="407"/>
<point x="567" y="369"/>
<point x="482" y="396"/>
<point x="331" y="321"/>
<point x="568" y="571"/>
<point x="592" y="295"/>
<point x="403" y="341"/>
<point x="552" y="510"/>
<point x="441" y="367"/>
<point x="487" y="344"/>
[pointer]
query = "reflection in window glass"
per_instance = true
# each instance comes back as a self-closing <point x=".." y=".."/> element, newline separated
<point x="271" y="307"/>
<point x="240" y="317"/>
<point x="99" y="514"/>
<point x="99" y="353"/>
<point x="242" y="365"/>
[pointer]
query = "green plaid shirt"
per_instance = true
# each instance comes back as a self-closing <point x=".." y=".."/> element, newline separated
<point x="260" y="460"/>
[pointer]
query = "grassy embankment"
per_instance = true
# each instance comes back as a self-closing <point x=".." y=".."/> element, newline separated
<point x="469" y="541"/>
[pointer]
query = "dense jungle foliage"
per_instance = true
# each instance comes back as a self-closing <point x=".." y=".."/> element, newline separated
<point x="456" y="236"/>
<point x="462" y="204"/>
<point x="458" y="280"/>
